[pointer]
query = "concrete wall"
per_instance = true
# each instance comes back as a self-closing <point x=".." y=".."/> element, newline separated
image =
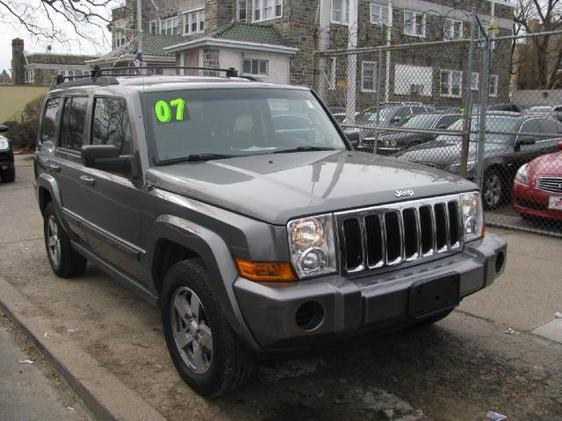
<point x="13" y="99"/>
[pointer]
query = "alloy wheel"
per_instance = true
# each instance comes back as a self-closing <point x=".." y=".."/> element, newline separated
<point x="192" y="334"/>
<point x="492" y="190"/>
<point x="53" y="240"/>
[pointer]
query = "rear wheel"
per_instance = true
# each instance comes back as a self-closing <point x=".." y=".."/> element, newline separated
<point x="65" y="261"/>
<point x="493" y="189"/>
<point x="204" y="349"/>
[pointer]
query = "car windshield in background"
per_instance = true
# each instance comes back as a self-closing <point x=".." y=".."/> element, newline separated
<point x="502" y="129"/>
<point x="222" y="123"/>
<point x="370" y="117"/>
<point x="421" y="121"/>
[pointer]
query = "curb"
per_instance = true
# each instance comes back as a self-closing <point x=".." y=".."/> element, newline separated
<point x="103" y="394"/>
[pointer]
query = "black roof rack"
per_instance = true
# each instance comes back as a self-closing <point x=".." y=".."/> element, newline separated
<point x="107" y="76"/>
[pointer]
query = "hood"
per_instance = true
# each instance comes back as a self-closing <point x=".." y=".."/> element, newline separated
<point x="545" y="166"/>
<point x="441" y="154"/>
<point x="405" y="137"/>
<point x="277" y="188"/>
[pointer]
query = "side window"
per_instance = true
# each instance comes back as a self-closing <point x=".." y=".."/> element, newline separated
<point x="447" y="120"/>
<point x="110" y="125"/>
<point x="50" y="115"/>
<point x="549" y="128"/>
<point x="73" y="123"/>
<point x="418" y="110"/>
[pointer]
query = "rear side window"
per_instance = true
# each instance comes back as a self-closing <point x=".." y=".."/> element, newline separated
<point x="73" y="123"/>
<point x="110" y="125"/>
<point x="49" y="122"/>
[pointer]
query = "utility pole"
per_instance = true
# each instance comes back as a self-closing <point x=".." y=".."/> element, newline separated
<point x="352" y="62"/>
<point x="139" y="28"/>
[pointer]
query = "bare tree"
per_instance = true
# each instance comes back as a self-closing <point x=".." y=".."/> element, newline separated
<point x="43" y="18"/>
<point x="533" y="16"/>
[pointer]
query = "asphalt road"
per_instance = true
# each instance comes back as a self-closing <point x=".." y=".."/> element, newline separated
<point x="29" y="389"/>
<point x="458" y="369"/>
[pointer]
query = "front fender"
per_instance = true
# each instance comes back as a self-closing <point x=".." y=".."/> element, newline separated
<point x="214" y="252"/>
<point x="49" y="184"/>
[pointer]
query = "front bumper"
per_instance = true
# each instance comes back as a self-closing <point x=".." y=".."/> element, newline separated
<point x="527" y="200"/>
<point x="353" y="306"/>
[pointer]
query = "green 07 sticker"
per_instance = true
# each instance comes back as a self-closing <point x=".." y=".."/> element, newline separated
<point x="165" y="114"/>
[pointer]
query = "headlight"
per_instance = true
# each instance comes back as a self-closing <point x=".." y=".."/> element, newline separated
<point x="472" y="215"/>
<point x="522" y="176"/>
<point x="4" y="145"/>
<point x="312" y="245"/>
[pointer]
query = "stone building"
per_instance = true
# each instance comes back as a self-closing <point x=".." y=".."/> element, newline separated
<point x="5" y="78"/>
<point x="278" y="40"/>
<point x="42" y="68"/>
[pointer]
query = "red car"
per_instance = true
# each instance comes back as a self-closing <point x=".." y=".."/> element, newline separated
<point x="537" y="190"/>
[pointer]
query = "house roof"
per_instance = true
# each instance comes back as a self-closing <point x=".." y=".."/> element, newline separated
<point x="250" y="32"/>
<point x="154" y="44"/>
<point x="48" y="58"/>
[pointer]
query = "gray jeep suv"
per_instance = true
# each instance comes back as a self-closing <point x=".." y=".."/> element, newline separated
<point x="241" y="210"/>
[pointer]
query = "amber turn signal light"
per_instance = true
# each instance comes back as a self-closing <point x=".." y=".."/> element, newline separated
<point x="483" y="232"/>
<point x="265" y="272"/>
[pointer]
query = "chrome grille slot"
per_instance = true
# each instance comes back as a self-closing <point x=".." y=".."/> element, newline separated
<point x="411" y="235"/>
<point x="375" y="241"/>
<point x="391" y="235"/>
<point x="550" y="184"/>
<point x="353" y="245"/>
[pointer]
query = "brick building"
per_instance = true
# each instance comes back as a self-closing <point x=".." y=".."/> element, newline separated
<point x="277" y="39"/>
<point x="42" y="68"/>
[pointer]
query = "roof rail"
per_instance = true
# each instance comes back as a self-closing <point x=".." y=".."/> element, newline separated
<point x="107" y="76"/>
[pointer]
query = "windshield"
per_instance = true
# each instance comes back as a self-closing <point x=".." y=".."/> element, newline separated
<point x="370" y="117"/>
<point x="503" y="128"/>
<point x="421" y="121"/>
<point x="236" y="122"/>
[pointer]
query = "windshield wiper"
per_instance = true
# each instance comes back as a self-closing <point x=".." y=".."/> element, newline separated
<point x="196" y="158"/>
<point x="306" y="149"/>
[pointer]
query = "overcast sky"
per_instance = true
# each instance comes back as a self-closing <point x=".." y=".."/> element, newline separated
<point x="35" y="44"/>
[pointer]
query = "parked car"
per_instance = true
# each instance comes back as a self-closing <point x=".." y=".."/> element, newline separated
<point x="504" y="153"/>
<point x="7" y="166"/>
<point x="537" y="190"/>
<point x="514" y="108"/>
<point x="557" y="110"/>
<point x="249" y="238"/>
<point x="394" y="142"/>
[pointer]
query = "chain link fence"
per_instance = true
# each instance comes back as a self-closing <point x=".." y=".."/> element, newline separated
<point x="450" y="105"/>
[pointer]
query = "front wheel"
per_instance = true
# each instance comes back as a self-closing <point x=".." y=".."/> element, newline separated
<point x="493" y="189"/>
<point x="9" y="176"/>
<point x="206" y="352"/>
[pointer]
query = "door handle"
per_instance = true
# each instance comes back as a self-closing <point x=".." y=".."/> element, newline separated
<point x="87" y="180"/>
<point x="54" y="168"/>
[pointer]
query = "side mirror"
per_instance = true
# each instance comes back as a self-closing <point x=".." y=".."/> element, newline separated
<point x="354" y="138"/>
<point x="3" y="129"/>
<point x="560" y="146"/>
<point x="107" y="158"/>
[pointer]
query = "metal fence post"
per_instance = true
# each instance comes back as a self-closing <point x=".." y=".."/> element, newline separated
<point x="378" y="101"/>
<point x="484" y="93"/>
<point x="467" y="125"/>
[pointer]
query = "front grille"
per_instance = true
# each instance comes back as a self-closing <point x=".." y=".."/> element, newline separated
<point x="551" y="184"/>
<point x="386" y="236"/>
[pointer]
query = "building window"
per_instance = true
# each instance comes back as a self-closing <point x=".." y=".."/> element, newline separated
<point x="474" y="81"/>
<point x="379" y="14"/>
<point x="267" y="9"/>
<point x="340" y="11"/>
<point x="194" y="22"/>
<point x="451" y="83"/>
<point x="30" y="76"/>
<point x="453" y="29"/>
<point x="368" y="76"/>
<point x="169" y="26"/>
<point x="153" y="27"/>
<point x="331" y="72"/>
<point x="255" y="67"/>
<point x="414" y="24"/>
<point x="119" y="39"/>
<point x="494" y="81"/>
<point x="241" y="10"/>
<point x="413" y="80"/>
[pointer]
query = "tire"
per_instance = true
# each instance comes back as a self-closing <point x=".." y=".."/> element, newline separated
<point x="223" y="363"/>
<point x="494" y="189"/>
<point x="9" y="176"/>
<point x="65" y="261"/>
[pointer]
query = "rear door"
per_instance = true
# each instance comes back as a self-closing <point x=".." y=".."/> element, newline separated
<point x="111" y="200"/>
<point x="65" y="165"/>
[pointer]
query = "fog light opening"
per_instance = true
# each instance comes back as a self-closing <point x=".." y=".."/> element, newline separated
<point x="500" y="259"/>
<point x="310" y="315"/>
